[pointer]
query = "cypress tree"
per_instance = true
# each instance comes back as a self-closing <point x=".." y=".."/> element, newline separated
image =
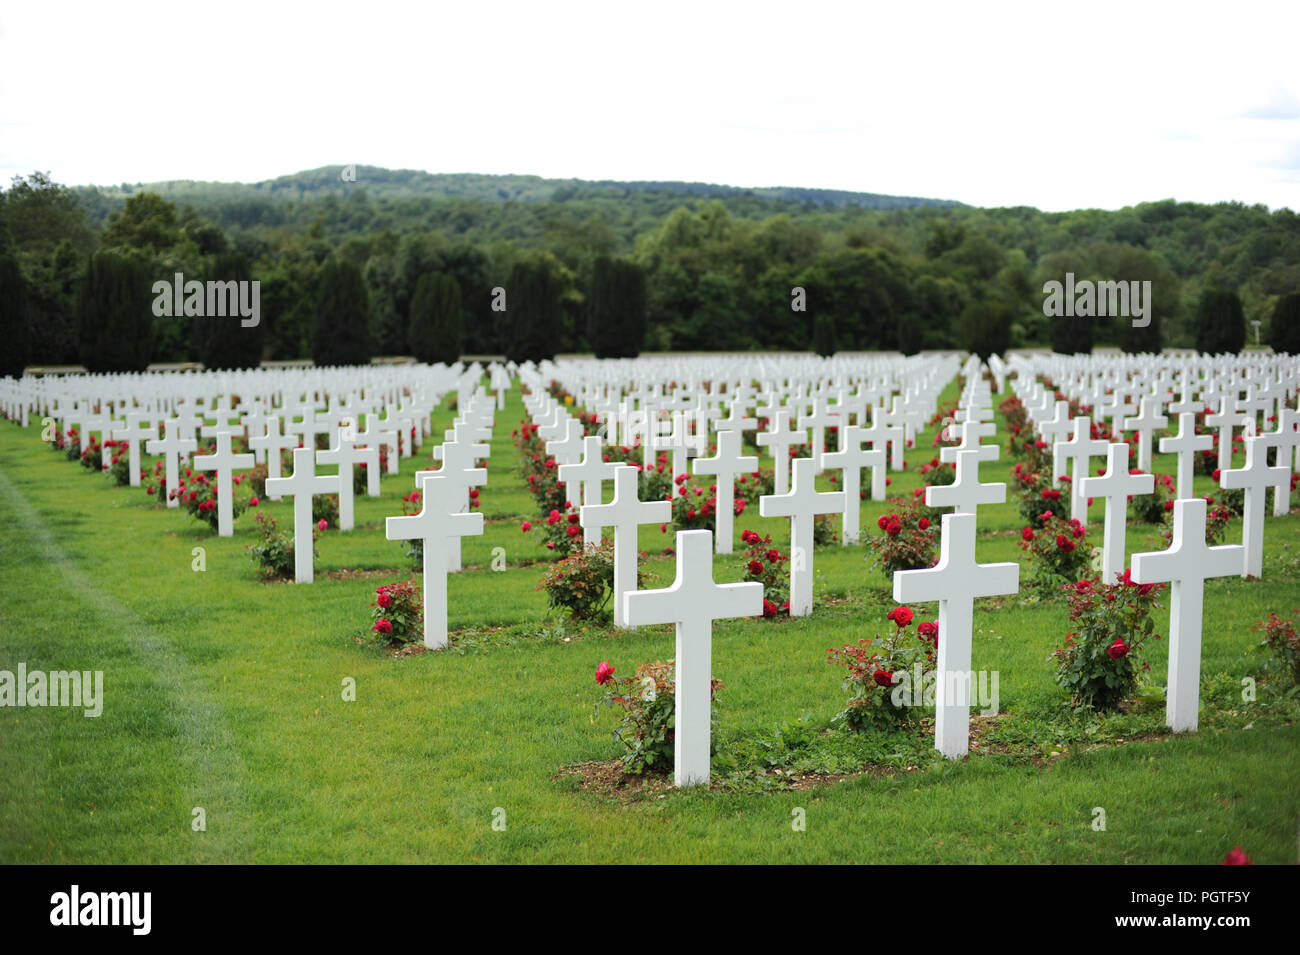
<point x="1220" y="322"/>
<point x="616" y="308"/>
<point x="340" y="333"/>
<point x="15" y="354"/>
<point x="222" y="341"/>
<point x="115" y="312"/>
<point x="1284" y="327"/>
<point x="436" y="332"/>
<point x="534" y="318"/>
<point x="824" y="339"/>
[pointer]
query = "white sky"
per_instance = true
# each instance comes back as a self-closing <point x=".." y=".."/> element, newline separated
<point x="1060" y="107"/>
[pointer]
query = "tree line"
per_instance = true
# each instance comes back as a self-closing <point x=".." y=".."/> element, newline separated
<point x="346" y="279"/>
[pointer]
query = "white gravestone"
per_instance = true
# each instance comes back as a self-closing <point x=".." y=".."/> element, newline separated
<point x="625" y="513"/>
<point x="1255" y="478"/>
<point x="1185" y="444"/>
<point x="966" y="493"/>
<point x="849" y="460"/>
<point x="434" y="525"/>
<point x="801" y="504"/>
<point x="302" y="486"/>
<point x="1116" y="485"/>
<point x="693" y="602"/>
<point x="224" y="462"/>
<point x="590" y="476"/>
<point x="171" y="446"/>
<point x="726" y="463"/>
<point x="1186" y="565"/>
<point x="955" y="581"/>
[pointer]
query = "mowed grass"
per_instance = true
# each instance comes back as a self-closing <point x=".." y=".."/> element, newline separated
<point x="225" y="692"/>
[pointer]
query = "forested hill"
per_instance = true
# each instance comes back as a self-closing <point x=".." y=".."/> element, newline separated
<point x="413" y="183"/>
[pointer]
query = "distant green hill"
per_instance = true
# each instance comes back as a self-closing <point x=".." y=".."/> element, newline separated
<point x="412" y="183"/>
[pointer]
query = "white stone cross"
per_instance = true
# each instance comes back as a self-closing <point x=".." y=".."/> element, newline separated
<point x="458" y="468"/>
<point x="1117" y="485"/>
<point x="1186" y="565"/>
<point x="589" y="477"/>
<point x="1286" y="439"/>
<point x="1146" y="424"/>
<point x="624" y="513"/>
<point x="302" y="486"/>
<point x="171" y="446"/>
<point x="693" y="602"/>
<point x="1081" y="449"/>
<point x="969" y="434"/>
<point x="819" y="420"/>
<point x="376" y="436"/>
<point x="849" y="460"/>
<point x="1185" y="444"/>
<point x="136" y="432"/>
<point x="955" y="581"/>
<point x="434" y="525"/>
<point x="346" y="455"/>
<point x="965" y="494"/>
<point x="726" y="463"/>
<point x="272" y="442"/>
<point x="1225" y="419"/>
<point x="224" y="462"/>
<point x="1255" y="478"/>
<point x="779" y="438"/>
<point x="802" y="503"/>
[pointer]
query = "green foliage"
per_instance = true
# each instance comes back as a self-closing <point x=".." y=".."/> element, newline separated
<point x="1282" y="641"/>
<point x="1284" y="327"/>
<point x="907" y="538"/>
<point x="583" y="582"/>
<point x="13" y="318"/>
<point x="273" y="554"/>
<point x="1220" y="322"/>
<point x="114" y="312"/>
<point x="1100" y="661"/>
<point x="880" y="672"/>
<point x="436" y="332"/>
<point x="223" y="341"/>
<point x="398" y="613"/>
<point x="532" y="326"/>
<point x="616" y="308"/>
<point x="341" y="324"/>
<point x="824" y="335"/>
<point x="648" y="704"/>
<point x="984" y="327"/>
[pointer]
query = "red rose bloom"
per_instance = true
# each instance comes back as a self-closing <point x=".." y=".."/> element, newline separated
<point x="923" y="523"/>
<point x="755" y="567"/>
<point x="774" y="555"/>
<point x="604" y="672"/>
<point x="894" y="529"/>
<point x="1117" y="650"/>
<point x="526" y="526"/>
<point x="385" y="600"/>
<point x="383" y="626"/>
<point x="574" y="530"/>
<point x="1237" y="857"/>
<point x="883" y="679"/>
<point x="1027" y="534"/>
<point x="902" y="616"/>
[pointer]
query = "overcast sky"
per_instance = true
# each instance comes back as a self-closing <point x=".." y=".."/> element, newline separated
<point x="1055" y="106"/>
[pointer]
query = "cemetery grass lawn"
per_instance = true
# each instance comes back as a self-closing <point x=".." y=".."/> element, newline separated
<point x="224" y="692"/>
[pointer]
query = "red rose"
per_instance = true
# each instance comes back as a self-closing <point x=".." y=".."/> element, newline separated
<point x="1117" y="650"/>
<point x="902" y="616"/>
<point x="755" y="567"/>
<point x="385" y="600"/>
<point x="774" y="555"/>
<point x="322" y="524"/>
<point x="882" y="521"/>
<point x="383" y="626"/>
<point x="894" y="529"/>
<point x="1027" y="534"/>
<point x="253" y="501"/>
<point x="923" y="523"/>
<point x="1237" y="857"/>
<point x="573" y="517"/>
<point x="574" y="530"/>
<point x="929" y="629"/>
<point x="883" y="679"/>
<point x="604" y="672"/>
<point x="526" y="526"/>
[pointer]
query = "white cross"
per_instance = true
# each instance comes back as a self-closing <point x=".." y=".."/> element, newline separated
<point x="1185" y="445"/>
<point x="458" y="468"/>
<point x="1256" y="477"/>
<point x="302" y="486"/>
<point x="726" y="463"/>
<point x="1186" y="565"/>
<point x="1117" y="485"/>
<point x="136" y="432"/>
<point x="378" y="437"/>
<point x="1227" y="417"/>
<point x="589" y="476"/>
<point x="171" y="446"/>
<point x="346" y="454"/>
<point x="693" y="602"/>
<point x="818" y="421"/>
<point x="849" y="460"/>
<point x="568" y="450"/>
<point x="434" y="525"/>
<point x="965" y="494"/>
<point x="955" y="581"/>
<point x="624" y="513"/>
<point x="1081" y="449"/>
<point x="801" y="504"/>
<point x="1058" y="426"/>
<point x="969" y="433"/>
<point x="780" y="438"/>
<point x="1286" y="439"/>
<point x="272" y="442"/>
<point x="1146" y="424"/>
<point x="224" y="461"/>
